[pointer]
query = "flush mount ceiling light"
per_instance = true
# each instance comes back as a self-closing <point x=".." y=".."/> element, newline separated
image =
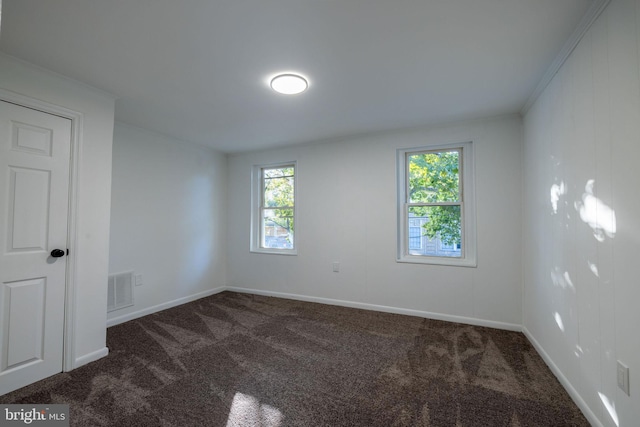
<point x="289" y="84"/>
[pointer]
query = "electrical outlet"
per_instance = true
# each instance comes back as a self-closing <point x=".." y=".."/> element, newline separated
<point x="138" y="279"/>
<point x="336" y="267"/>
<point x="623" y="377"/>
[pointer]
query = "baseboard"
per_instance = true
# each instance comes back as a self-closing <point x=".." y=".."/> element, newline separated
<point x="91" y="357"/>
<point x="578" y="400"/>
<point x="384" y="308"/>
<point x="169" y="304"/>
<point x="573" y="393"/>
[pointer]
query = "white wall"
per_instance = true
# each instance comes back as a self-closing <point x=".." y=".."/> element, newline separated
<point x="94" y="193"/>
<point x="168" y="219"/>
<point x="347" y="213"/>
<point x="580" y="272"/>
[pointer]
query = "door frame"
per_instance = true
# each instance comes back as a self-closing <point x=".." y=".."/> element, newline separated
<point x="68" y="356"/>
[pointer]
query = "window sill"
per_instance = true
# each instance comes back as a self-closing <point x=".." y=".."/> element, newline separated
<point x="274" y="251"/>
<point x="454" y="262"/>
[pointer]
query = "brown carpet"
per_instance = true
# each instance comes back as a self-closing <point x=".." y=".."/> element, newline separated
<point x="242" y="360"/>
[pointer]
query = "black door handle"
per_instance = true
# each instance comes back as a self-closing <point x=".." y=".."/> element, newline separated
<point x="57" y="253"/>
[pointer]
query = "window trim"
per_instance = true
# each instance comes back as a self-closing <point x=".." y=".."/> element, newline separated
<point x="467" y="207"/>
<point x="257" y="198"/>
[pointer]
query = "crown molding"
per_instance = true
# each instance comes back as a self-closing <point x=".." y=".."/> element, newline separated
<point x="597" y="7"/>
<point x="36" y="67"/>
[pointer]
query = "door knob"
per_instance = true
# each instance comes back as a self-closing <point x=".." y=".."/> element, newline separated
<point x="57" y="253"/>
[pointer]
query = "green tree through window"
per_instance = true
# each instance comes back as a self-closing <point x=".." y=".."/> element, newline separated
<point x="436" y="209"/>
<point x="434" y="193"/>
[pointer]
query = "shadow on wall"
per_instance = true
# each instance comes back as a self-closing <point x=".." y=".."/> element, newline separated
<point x="601" y="219"/>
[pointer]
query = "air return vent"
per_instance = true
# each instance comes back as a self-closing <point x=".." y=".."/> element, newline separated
<point x="120" y="294"/>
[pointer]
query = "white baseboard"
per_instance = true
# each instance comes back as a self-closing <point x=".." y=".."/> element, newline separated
<point x="91" y="357"/>
<point x="578" y="400"/>
<point x="169" y="304"/>
<point x="384" y="308"/>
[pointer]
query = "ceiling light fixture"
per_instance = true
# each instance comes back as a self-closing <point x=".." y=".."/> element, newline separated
<point x="289" y="84"/>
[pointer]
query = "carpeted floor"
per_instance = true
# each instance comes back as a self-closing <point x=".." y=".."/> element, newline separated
<point x="242" y="360"/>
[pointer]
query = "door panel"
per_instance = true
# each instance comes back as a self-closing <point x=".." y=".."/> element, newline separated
<point x="28" y="209"/>
<point x="23" y="322"/>
<point x="34" y="204"/>
<point x="31" y="139"/>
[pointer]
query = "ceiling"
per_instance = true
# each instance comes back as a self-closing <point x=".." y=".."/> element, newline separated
<point x="198" y="70"/>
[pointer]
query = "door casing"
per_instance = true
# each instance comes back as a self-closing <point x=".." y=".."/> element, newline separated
<point x="68" y="357"/>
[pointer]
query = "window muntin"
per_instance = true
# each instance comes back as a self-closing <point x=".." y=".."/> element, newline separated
<point x="435" y="222"/>
<point x="273" y="224"/>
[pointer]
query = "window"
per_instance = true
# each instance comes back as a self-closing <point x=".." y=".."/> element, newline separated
<point x="273" y="209"/>
<point x="436" y="209"/>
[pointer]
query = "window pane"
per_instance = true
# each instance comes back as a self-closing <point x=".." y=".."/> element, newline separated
<point x="278" y="187"/>
<point x="277" y="228"/>
<point x="434" y="177"/>
<point x="278" y="172"/>
<point x="440" y="231"/>
<point x="278" y="192"/>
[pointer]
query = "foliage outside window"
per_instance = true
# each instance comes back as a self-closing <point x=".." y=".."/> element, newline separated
<point x="435" y="209"/>
<point x="273" y="225"/>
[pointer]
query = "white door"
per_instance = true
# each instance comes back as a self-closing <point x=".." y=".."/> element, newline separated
<point x="34" y="204"/>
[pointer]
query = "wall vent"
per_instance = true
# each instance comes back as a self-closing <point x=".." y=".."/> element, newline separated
<point x="120" y="291"/>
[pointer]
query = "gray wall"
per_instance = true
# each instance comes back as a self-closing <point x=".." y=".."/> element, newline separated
<point x="347" y="213"/>
<point x="93" y="195"/>
<point x="581" y="212"/>
<point x="168" y="219"/>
